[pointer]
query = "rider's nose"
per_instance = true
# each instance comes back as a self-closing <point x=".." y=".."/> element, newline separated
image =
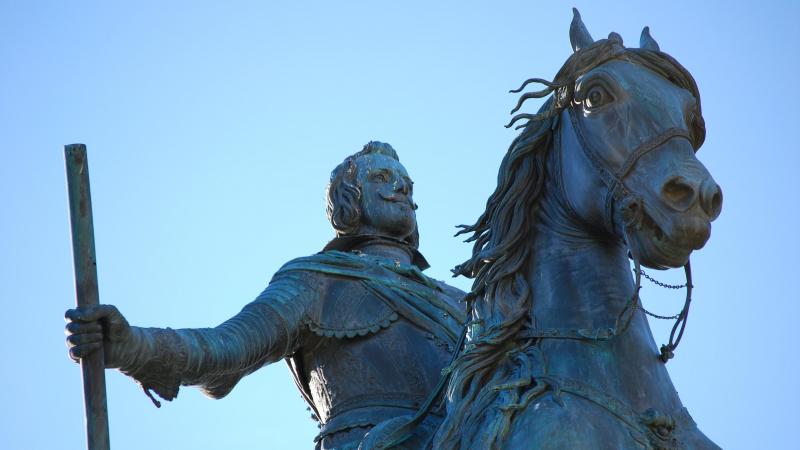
<point x="711" y="198"/>
<point x="679" y="193"/>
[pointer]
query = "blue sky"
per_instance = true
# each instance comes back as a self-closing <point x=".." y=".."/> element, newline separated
<point x="212" y="128"/>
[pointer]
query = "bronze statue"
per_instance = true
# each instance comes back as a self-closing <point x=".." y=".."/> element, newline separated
<point x="560" y="354"/>
<point x="365" y="332"/>
<point x="557" y="353"/>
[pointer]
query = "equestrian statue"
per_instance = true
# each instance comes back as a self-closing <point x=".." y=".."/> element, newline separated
<point x="551" y="349"/>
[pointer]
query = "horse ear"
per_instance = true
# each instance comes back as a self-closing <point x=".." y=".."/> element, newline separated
<point x="579" y="36"/>
<point x="647" y="42"/>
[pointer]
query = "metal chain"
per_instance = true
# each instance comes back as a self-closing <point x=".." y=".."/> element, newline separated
<point x="657" y="316"/>
<point x="664" y="285"/>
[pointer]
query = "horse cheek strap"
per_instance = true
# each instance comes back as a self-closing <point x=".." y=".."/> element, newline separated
<point x="631" y="207"/>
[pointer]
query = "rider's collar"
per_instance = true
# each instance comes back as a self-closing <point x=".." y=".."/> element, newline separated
<point x="352" y="242"/>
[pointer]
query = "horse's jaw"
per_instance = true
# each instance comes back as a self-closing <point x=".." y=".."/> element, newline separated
<point x="657" y="250"/>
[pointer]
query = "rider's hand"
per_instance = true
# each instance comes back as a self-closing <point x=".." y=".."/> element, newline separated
<point x="94" y="327"/>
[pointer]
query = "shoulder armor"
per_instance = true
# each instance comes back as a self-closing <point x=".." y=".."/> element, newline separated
<point x="349" y="309"/>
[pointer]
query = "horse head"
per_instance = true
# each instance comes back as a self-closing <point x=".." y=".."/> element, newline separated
<point x="628" y="123"/>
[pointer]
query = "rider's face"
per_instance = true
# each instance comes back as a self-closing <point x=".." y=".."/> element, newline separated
<point x="387" y="207"/>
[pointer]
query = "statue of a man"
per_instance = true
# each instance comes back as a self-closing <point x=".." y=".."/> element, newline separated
<point x="365" y="332"/>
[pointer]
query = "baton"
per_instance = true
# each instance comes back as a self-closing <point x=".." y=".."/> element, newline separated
<point x="92" y="366"/>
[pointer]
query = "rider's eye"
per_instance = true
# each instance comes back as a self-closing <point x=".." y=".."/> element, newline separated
<point x="596" y="97"/>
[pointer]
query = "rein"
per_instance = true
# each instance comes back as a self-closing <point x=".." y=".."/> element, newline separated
<point x="668" y="350"/>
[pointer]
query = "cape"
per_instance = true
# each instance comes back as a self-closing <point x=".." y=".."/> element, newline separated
<point x="414" y="296"/>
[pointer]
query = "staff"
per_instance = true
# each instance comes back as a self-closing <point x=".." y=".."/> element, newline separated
<point x="92" y="366"/>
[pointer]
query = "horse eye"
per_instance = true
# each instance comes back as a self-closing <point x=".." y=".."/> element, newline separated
<point x="597" y="97"/>
<point x="380" y="178"/>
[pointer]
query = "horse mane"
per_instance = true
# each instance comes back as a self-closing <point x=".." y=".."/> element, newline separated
<point x="490" y="374"/>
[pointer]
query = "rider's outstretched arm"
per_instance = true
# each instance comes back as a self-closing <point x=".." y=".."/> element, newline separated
<point x="215" y="359"/>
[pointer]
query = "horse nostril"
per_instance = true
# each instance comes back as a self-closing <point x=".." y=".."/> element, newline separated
<point x="711" y="199"/>
<point x="678" y="193"/>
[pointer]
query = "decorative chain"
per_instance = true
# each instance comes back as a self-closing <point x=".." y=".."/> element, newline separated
<point x="664" y="285"/>
<point x="657" y="316"/>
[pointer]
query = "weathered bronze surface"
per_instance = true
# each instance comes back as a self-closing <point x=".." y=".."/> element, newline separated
<point x="559" y="353"/>
<point x="365" y="332"/>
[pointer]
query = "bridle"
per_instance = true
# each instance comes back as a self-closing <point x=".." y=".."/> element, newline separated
<point x="632" y="212"/>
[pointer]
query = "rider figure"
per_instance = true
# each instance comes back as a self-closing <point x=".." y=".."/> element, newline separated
<point x="365" y="332"/>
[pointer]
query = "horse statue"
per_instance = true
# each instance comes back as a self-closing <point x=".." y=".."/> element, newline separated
<point x="559" y="353"/>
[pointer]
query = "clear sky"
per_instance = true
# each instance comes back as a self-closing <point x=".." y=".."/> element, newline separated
<point x="212" y="128"/>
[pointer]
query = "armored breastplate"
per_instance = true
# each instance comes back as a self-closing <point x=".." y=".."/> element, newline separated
<point x="375" y="350"/>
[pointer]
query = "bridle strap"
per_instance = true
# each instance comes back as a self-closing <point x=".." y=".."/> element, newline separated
<point x="619" y="194"/>
<point x="616" y="189"/>
<point x="614" y="180"/>
<point x="648" y="146"/>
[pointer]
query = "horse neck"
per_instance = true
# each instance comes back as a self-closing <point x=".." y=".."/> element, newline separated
<point x="580" y="280"/>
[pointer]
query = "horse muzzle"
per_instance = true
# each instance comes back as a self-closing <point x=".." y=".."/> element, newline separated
<point x="680" y="199"/>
